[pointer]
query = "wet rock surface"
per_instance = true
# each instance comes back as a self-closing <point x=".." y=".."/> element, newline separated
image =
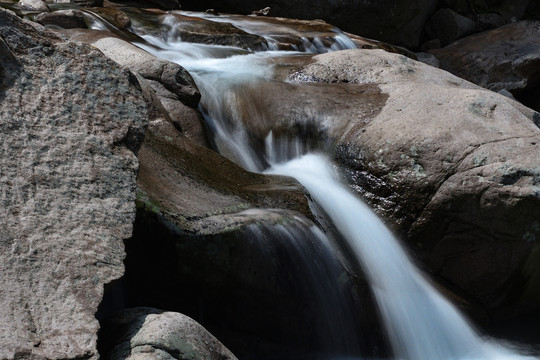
<point x="457" y="164"/>
<point x="195" y="29"/>
<point x="70" y="121"/>
<point x="398" y="22"/>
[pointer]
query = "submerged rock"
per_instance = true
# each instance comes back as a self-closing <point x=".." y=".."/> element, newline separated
<point x="71" y="121"/>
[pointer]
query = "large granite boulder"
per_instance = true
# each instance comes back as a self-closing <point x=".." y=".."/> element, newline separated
<point x="506" y="58"/>
<point x="71" y="121"/>
<point x="176" y="92"/>
<point x="453" y="167"/>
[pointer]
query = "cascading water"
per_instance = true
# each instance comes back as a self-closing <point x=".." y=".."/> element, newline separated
<point x="421" y="324"/>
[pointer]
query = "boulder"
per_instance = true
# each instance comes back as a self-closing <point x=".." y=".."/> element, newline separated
<point x="33" y="5"/>
<point x="504" y="58"/>
<point x="489" y="21"/>
<point x="451" y="166"/>
<point x="510" y="10"/>
<point x="448" y="26"/>
<point x="396" y="22"/>
<point x="458" y="160"/>
<point x="71" y="122"/>
<point x="147" y="333"/>
<point x="174" y="87"/>
<point x="67" y="19"/>
<point x="115" y="16"/>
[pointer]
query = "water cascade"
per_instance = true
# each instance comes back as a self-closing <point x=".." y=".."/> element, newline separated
<point x="420" y="323"/>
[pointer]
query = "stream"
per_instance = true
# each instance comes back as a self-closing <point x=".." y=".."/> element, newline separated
<point x="420" y="323"/>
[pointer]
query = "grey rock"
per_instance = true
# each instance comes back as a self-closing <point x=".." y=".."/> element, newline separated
<point x="67" y="19"/>
<point x="70" y="121"/>
<point x="504" y="58"/>
<point x="428" y="59"/>
<point x="34" y="5"/>
<point x="174" y="77"/>
<point x="448" y="26"/>
<point x="489" y="21"/>
<point x="152" y="334"/>
<point x="177" y="94"/>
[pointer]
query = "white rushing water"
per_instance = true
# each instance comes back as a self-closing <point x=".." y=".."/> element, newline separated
<point x="420" y="322"/>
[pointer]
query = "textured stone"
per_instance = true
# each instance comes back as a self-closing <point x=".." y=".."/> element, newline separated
<point x="151" y="334"/>
<point x="174" y="77"/>
<point x="174" y="87"/>
<point x="70" y="121"/>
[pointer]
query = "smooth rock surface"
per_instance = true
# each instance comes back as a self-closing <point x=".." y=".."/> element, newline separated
<point x="70" y="121"/>
<point x="148" y="334"/>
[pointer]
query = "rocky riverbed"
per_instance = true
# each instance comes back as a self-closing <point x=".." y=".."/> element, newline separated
<point x="108" y="149"/>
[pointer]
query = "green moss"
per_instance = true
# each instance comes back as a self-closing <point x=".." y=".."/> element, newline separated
<point x="143" y="202"/>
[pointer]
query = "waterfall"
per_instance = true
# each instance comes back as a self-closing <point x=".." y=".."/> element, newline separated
<point x="420" y="323"/>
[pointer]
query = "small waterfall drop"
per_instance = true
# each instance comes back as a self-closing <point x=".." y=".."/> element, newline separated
<point x="420" y="323"/>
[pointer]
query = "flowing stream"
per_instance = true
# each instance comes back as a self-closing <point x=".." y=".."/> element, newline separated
<point x="420" y="323"/>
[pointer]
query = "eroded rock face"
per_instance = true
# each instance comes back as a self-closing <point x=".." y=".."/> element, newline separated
<point x="70" y="121"/>
<point x="147" y="333"/>
<point x="506" y="58"/>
